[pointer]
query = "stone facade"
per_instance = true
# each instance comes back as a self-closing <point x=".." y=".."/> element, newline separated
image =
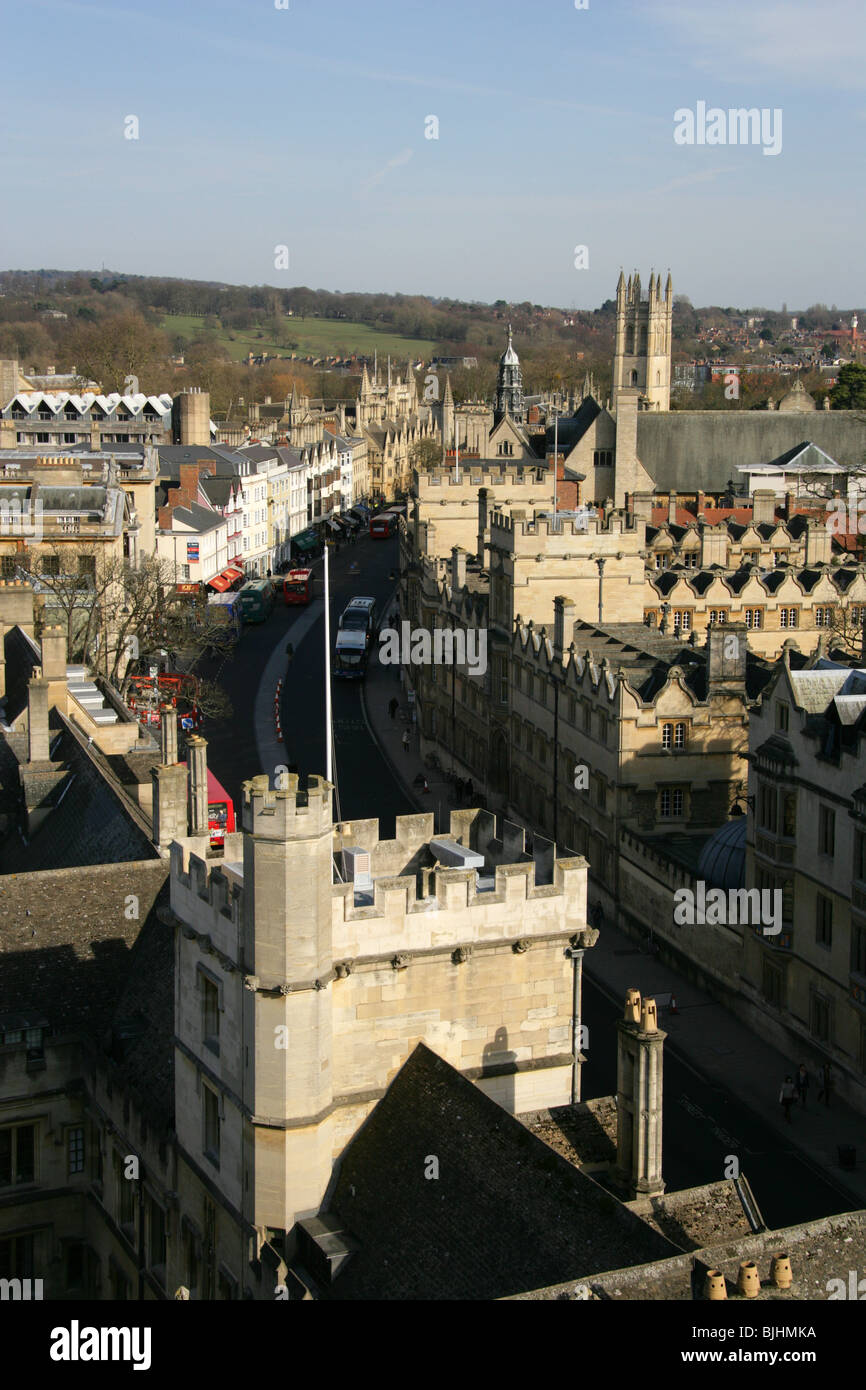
<point x="275" y="952"/>
<point x="807" y="838"/>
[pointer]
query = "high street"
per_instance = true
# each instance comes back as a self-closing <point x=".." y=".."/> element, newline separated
<point x="366" y="788"/>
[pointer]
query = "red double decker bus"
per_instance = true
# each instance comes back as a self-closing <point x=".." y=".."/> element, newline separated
<point x="220" y="811"/>
<point x="298" y="586"/>
<point x="383" y="525"/>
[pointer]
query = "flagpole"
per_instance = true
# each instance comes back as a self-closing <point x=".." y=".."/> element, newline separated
<point x="456" y="456"/>
<point x="555" y="461"/>
<point x="329" y="760"/>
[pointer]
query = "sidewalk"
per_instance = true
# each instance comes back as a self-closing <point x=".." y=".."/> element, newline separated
<point x="721" y="1048"/>
<point x="702" y="1033"/>
<point x="380" y="687"/>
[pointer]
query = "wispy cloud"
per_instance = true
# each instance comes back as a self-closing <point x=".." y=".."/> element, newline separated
<point x="381" y="174"/>
<point x="262" y="53"/>
<point x="687" y="180"/>
<point x="817" y="44"/>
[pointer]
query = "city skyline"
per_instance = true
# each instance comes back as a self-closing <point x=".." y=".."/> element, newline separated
<point x="332" y="159"/>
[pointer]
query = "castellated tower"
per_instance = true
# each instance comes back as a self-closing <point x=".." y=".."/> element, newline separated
<point x="298" y="999"/>
<point x="642" y="353"/>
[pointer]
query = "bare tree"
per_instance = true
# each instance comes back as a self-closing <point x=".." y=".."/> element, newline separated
<point x="119" y="619"/>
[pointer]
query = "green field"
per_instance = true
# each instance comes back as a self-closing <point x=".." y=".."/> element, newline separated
<point x="314" y="338"/>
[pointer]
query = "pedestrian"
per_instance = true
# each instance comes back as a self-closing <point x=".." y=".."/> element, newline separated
<point x="787" y="1096"/>
<point x="393" y="706"/>
<point x="802" y="1083"/>
<point x="405" y="740"/>
<point x="826" y="1084"/>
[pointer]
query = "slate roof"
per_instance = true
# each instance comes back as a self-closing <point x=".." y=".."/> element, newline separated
<point x="22" y="656"/>
<point x="201" y="519"/>
<point x="506" y="1213"/>
<point x="66" y="942"/>
<point x="814" y="690"/>
<point x="89" y="825"/>
<point x="813" y="1247"/>
<point x="218" y="491"/>
<point x="572" y="428"/>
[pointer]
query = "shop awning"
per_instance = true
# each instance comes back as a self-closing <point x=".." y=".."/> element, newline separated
<point x="333" y="525"/>
<point x="305" y="541"/>
<point x="225" y="578"/>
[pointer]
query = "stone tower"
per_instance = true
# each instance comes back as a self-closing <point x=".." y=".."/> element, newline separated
<point x="639" y="1097"/>
<point x="509" y="387"/>
<point x="190" y="417"/>
<point x="288" y="962"/>
<point x="447" y="419"/>
<point x="642" y="353"/>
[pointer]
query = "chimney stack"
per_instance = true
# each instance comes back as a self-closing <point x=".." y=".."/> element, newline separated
<point x="639" y="1098"/>
<point x="168" y="735"/>
<point x="169" y="804"/>
<point x="763" y="505"/>
<point x="672" y="508"/>
<point x="458" y="567"/>
<point x="197" y="761"/>
<point x="54" y="653"/>
<point x="563" y="624"/>
<point x="727" y="653"/>
<point x="38" y="738"/>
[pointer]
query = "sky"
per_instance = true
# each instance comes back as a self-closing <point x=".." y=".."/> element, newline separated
<point x="306" y="128"/>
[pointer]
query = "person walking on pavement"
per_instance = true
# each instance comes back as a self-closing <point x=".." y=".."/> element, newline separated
<point x="802" y="1083"/>
<point x="787" y="1096"/>
<point x="393" y="706"/>
<point x="826" y="1084"/>
<point x="405" y="740"/>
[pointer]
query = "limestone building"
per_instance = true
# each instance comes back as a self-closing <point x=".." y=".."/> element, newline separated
<point x="807" y="839"/>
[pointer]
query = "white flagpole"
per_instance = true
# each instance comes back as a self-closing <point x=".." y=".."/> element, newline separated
<point x="555" y="461"/>
<point x="456" y="456"/>
<point x="329" y="757"/>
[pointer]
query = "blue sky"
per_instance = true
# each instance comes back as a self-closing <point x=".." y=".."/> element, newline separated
<point x="305" y="127"/>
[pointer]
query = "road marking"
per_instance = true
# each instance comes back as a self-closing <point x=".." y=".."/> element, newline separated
<point x="271" y="753"/>
<point x="721" y="1134"/>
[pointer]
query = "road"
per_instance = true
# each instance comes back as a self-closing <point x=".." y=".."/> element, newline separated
<point x="703" y="1123"/>
<point x="366" y="788"/>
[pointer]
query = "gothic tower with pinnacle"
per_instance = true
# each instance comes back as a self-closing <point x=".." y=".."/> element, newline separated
<point x="642" y="354"/>
<point x="509" y="387"/>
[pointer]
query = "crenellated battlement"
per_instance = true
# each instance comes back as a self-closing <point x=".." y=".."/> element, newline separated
<point x="209" y="897"/>
<point x="518" y="530"/>
<point x="474" y="474"/>
<point x="287" y="813"/>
